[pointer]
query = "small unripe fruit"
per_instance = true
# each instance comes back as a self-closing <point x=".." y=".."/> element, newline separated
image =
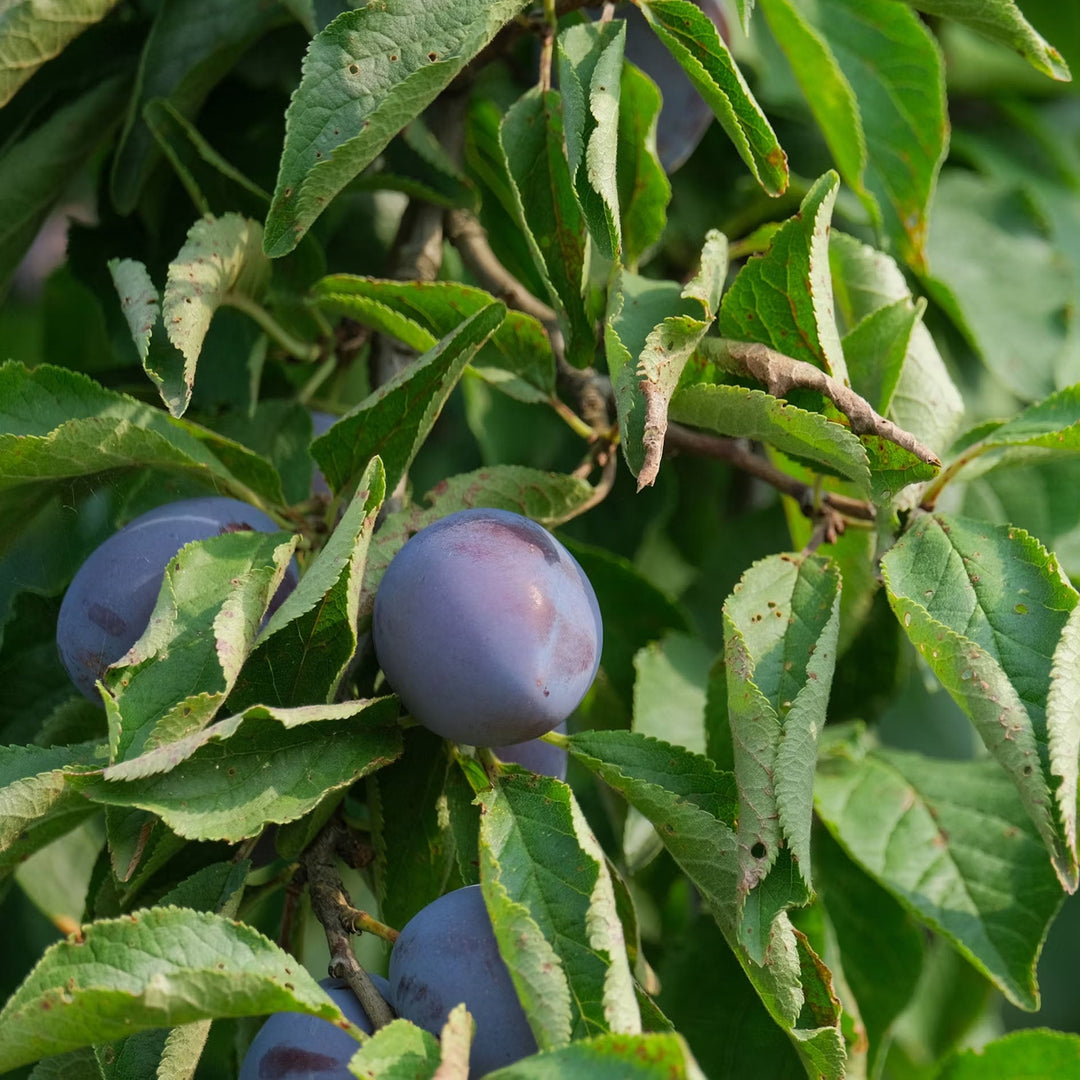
<point x="487" y="628"/>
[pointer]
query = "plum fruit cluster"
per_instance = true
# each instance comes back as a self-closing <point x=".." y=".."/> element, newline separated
<point x="446" y="954"/>
<point x="110" y="600"/>
<point x="487" y="628"/>
<point x="293" y="1046"/>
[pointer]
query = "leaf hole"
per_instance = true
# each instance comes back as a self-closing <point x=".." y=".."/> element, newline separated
<point x="758" y="850"/>
<point x="354" y="69"/>
<point x="433" y="56"/>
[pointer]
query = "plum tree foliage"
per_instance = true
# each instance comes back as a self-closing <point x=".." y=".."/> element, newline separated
<point x="322" y="320"/>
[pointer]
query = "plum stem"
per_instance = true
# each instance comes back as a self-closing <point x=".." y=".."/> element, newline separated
<point x="302" y="350"/>
<point x="547" y="44"/>
<point x="331" y="905"/>
<point x="470" y="238"/>
<point x="742" y="457"/>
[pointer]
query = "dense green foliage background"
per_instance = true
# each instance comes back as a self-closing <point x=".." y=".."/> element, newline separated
<point x="807" y="411"/>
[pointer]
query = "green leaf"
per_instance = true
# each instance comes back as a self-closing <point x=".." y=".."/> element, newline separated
<point x="925" y="400"/>
<point x="37" y="170"/>
<point x="1003" y="21"/>
<point x="893" y="468"/>
<point x="379" y="66"/>
<point x="535" y="968"/>
<point x="257" y="769"/>
<point x="692" y="38"/>
<point x="644" y="190"/>
<point x="139" y="301"/>
<point x="59" y="425"/>
<point x="733" y="410"/>
<point x="173" y="1054"/>
<point x="306" y="647"/>
<point x="881" y="944"/>
<point x="79" y="1064"/>
<point x="1020" y="1055"/>
<point x="221" y="262"/>
<point x="691" y="805"/>
<point x="416" y="163"/>
<point x="539" y="855"/>
<point x="986" y="607"/>
<point x="213" y="597"/>
<point x="716" y="1009"/>
<point x="780" y="632"/>
<point x="669" y="690"/>
<point x="657" y="1056"/>
<point x="455" y="1041"/>
<point x="414" y="847"/>
<point x="1000" y="281"/>
<point x="953" y="843"/>
<point x="395" y="420"/>
<point x="828" y="92"/>
<point x="191" y="45"/>
<point x="36" y="804"/>
<point x="139" y="845"/>
<point x="399" y="1051"/>
<point x="1063" y="725"/>
<point x="517" y="358"/>
<point x="166" y="756"/>
<point x="1044" y="430"/>
<point x="670" y="677"/>
<point x="546" y="207"/>
<point x="784" y="298"/>
<point x="877" y="347"/>
<point x="56" y="879"/>
<point x="590" y="77"/>
<point x="214" y="184"/>
<point x="652" y="328"/>
<point x="156" y="968"/>
<point x="888" y="134"/>
<point x="31" y="36"/>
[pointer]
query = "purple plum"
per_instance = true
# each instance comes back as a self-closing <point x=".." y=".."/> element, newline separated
<point x="539" y="756"/>
<point x="487" y="628"/>
<point x="447" y="954"/>
<point x="294" y="1046"/>
<point x="321" y="422"/>
<point x="109" y="602"/>
<point x="684" y="116"/>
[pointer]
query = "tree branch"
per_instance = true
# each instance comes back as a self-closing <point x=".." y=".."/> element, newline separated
<point x="736" y="453"/>
<point x="780" y="374"/>
<point x="466" y="233"/>
<point x="333" y="908"/>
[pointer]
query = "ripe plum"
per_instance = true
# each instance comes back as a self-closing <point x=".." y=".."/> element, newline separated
<point x="538" y="755"/>
<point x="294" y="1046"/>
<point x="109" y="601"/>
<point x="487" y="628"/>
<point x="684" y="116"/>
<point x="447" y="954"/>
